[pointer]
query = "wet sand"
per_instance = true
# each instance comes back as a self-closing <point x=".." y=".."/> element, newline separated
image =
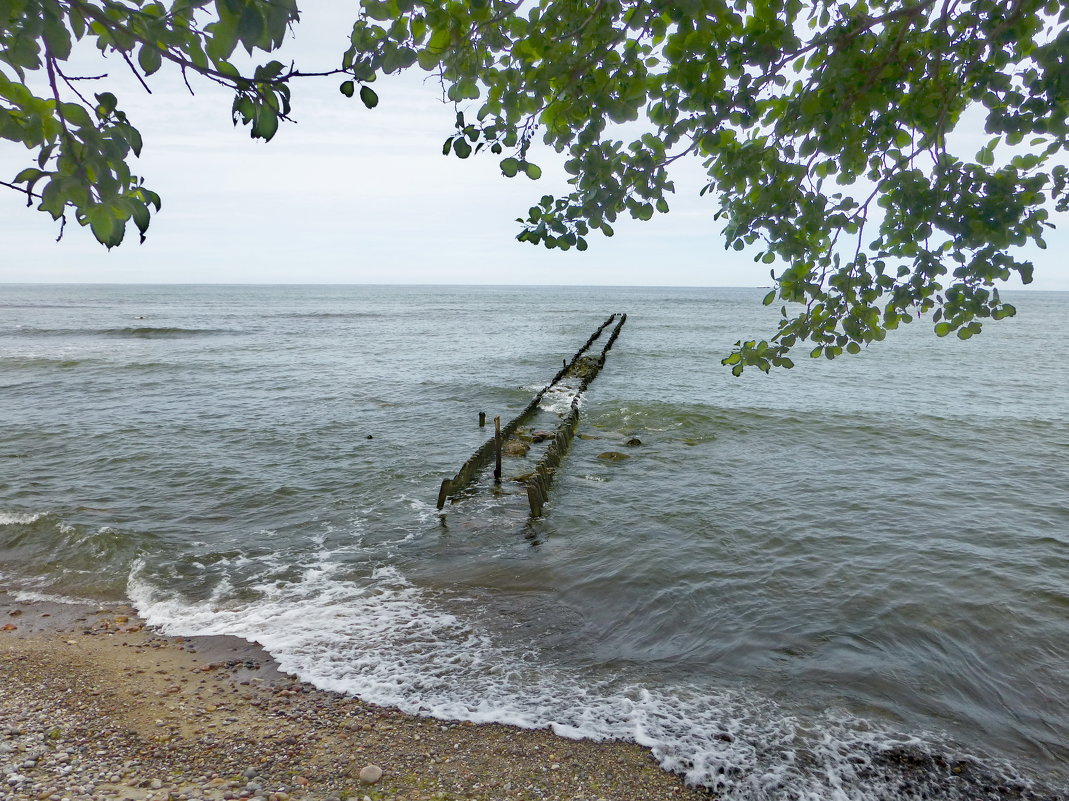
<point x="94" y="705"/>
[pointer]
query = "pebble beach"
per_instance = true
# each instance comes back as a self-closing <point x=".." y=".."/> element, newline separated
<point x="94" y="705"/>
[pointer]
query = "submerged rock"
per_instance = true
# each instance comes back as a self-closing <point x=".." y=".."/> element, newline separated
<point x="634" y="442"/>
<point x="613" y="456"/>
<point x="515" y="447"/>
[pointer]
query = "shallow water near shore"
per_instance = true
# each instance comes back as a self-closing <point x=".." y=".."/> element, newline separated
<point x="792" y="577"/>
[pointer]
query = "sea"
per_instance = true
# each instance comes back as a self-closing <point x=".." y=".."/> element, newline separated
<point x="848" y="580"/>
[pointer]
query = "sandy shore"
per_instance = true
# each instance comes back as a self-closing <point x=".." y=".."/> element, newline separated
<point x="93" y="705"/>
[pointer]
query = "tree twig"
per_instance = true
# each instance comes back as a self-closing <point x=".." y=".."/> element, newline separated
<point x="25" y="190"/>
<point x="133" y="69"/>
<point x="73" y="88"/>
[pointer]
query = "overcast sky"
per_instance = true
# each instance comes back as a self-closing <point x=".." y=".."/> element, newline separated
<point x="349" y="195"/>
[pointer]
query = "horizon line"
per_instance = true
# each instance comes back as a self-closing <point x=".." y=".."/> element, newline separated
<point x="428" y="284"/>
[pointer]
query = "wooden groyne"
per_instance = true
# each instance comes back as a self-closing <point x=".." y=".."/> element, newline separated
<point x="538" y="482"/>
<point x="582" y="366"/>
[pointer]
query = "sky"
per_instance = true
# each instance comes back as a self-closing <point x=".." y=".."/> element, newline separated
<point x="351" y="195"/>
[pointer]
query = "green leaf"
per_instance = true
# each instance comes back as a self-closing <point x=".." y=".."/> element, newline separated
<point x="250" y="26"/>
<point x="102" y="224"/>
<point x="428" y="59"/>
<point x="942" y="329"/>
<point x="151" y="197"/>
<point x="440" y="41"/>
<point x="149" y="58"/>
<point x="106" y="103"/>
<point x="510" y="167"/>
<point x="139" y="212"/>
<point x="30" y="174"/>
<point x="265" y="124"/>
<point x="57" y="37"/>
<point x="368" y="96"/>
<point x="533" y="171"/>
<point x="461" y="147"/>
<point x="76" y="115"/>
<point x="223" y="38"/>
<point x="347" y="88"/>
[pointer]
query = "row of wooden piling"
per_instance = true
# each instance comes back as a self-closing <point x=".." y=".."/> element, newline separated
<point x="538" y="482"/>
<point x="491" y="449"/>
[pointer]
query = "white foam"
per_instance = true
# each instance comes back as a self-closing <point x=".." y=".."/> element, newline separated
<point x="17" y="519"/>
<point x="384" y="640"/>
<point x="558" y="400"/>
<point x="424" y="511"/>
<point x="29" y="596"/>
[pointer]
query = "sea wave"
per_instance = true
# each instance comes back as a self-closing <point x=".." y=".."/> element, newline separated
<point x="132" y="332"/>
<point x="37" y="362"/>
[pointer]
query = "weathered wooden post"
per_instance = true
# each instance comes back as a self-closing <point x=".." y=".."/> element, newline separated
<point x="534" y="499"/>
<point x="497" y="449"/>
<point x="482" y="419"/>
<point x="443" y="493"/>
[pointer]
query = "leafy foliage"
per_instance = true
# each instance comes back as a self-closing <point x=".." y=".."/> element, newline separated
<point x="83" y="145"/>
<point x="824" y="128"/>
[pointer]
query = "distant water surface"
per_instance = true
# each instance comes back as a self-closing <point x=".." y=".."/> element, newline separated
<point x="795" y="584"/>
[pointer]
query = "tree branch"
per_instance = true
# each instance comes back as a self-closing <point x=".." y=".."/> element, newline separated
<point x="50" y="67"/>
<point x="867" y="23"/>
<point x="208" y="72"/>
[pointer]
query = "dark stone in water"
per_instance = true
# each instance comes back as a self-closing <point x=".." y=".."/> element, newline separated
<point x="633" y="442"/>
<point x="911" y="772"/>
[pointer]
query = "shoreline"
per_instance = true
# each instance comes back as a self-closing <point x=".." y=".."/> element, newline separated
<point x="95" y="705"/>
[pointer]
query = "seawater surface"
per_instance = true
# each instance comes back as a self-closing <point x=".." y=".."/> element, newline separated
<point x="795" y="586"/>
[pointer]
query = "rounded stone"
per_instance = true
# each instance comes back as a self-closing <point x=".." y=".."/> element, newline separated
<point x="369" y="774"/>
